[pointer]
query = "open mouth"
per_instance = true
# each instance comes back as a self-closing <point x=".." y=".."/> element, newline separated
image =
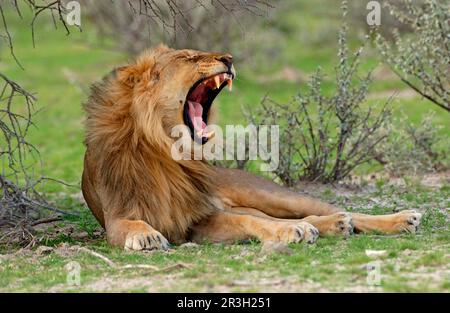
<point x="198" y="103"/>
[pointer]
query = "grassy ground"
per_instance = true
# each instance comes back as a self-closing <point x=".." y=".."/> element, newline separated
<point x="60" y="70"/>
<point x="411" y="263"/>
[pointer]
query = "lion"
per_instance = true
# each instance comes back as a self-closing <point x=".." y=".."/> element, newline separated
<point x="145" y="199"/>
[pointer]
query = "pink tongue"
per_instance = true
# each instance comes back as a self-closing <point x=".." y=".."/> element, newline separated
<point x="195" y="113"/>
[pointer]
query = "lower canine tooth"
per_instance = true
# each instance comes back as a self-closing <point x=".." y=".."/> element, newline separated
<point x="230" y="84"/>
<point x="217" y="81"/>
<point x="209" y="135"/>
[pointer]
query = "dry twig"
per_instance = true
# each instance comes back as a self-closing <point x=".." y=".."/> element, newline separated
<point x="112" y="264"/>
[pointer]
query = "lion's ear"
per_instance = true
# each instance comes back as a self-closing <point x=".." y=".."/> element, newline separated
<point x="161" y="48"/>
<point x="127" y="75"/>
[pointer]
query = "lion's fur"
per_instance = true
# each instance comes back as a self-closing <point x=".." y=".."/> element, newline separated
<point x="126" y="136"/>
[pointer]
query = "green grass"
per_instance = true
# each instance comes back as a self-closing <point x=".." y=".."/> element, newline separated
<point x="60" y="69"/>
<point x="414" y="263"/>
<point x="333" y="264"/>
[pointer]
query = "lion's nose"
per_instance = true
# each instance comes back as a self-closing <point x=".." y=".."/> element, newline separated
<point x="226" y="59"/>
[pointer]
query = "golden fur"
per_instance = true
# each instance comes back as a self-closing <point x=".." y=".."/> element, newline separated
<point x="128" y="122"/>
<point x="142" y="196"/>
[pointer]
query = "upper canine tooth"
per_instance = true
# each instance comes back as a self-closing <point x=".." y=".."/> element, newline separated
<point x="217" y="81"/>
<point x="230" y="84"/>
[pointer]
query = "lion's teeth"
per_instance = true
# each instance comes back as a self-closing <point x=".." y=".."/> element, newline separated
<point x="230" y="84"/>
<point x="217" y="81"/>
<point x="208" y="135"/>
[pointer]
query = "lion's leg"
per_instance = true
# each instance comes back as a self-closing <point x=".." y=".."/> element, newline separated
<point x="344" y="223"/>
<point x="241" y="189"/>
<point x="230" y="227"/>
<point x="335" y="224"/>
<point x="404" y="221"/>
<point x="89" y="192"/>
<point x="134" y="235"/>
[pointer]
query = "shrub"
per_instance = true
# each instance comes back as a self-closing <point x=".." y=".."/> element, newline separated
<point x="324" y="138"/>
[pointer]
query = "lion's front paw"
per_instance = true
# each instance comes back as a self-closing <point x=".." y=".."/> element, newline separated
<point x="296" y="232"/>
<point x="146" y="240"/>
<point x="407" y="221"/>
<point x="290" y="233"/>
<point x="311" y="232"/>
<point x="335" y="224"/>
<point x="342" y="224"/>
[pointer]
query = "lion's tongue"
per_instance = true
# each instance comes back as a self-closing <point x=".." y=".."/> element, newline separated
<point x="195" y="113"/>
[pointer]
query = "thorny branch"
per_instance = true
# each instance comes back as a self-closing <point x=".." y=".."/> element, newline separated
<point x="185" y="24"/>
<point x="19" y="198"/>
<point x="20" y="202"/>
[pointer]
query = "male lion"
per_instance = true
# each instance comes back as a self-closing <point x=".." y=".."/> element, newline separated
<point x="145" y="199"/>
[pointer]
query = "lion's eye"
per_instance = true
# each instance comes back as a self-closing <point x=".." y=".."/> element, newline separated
<point x="193" y="57"/>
